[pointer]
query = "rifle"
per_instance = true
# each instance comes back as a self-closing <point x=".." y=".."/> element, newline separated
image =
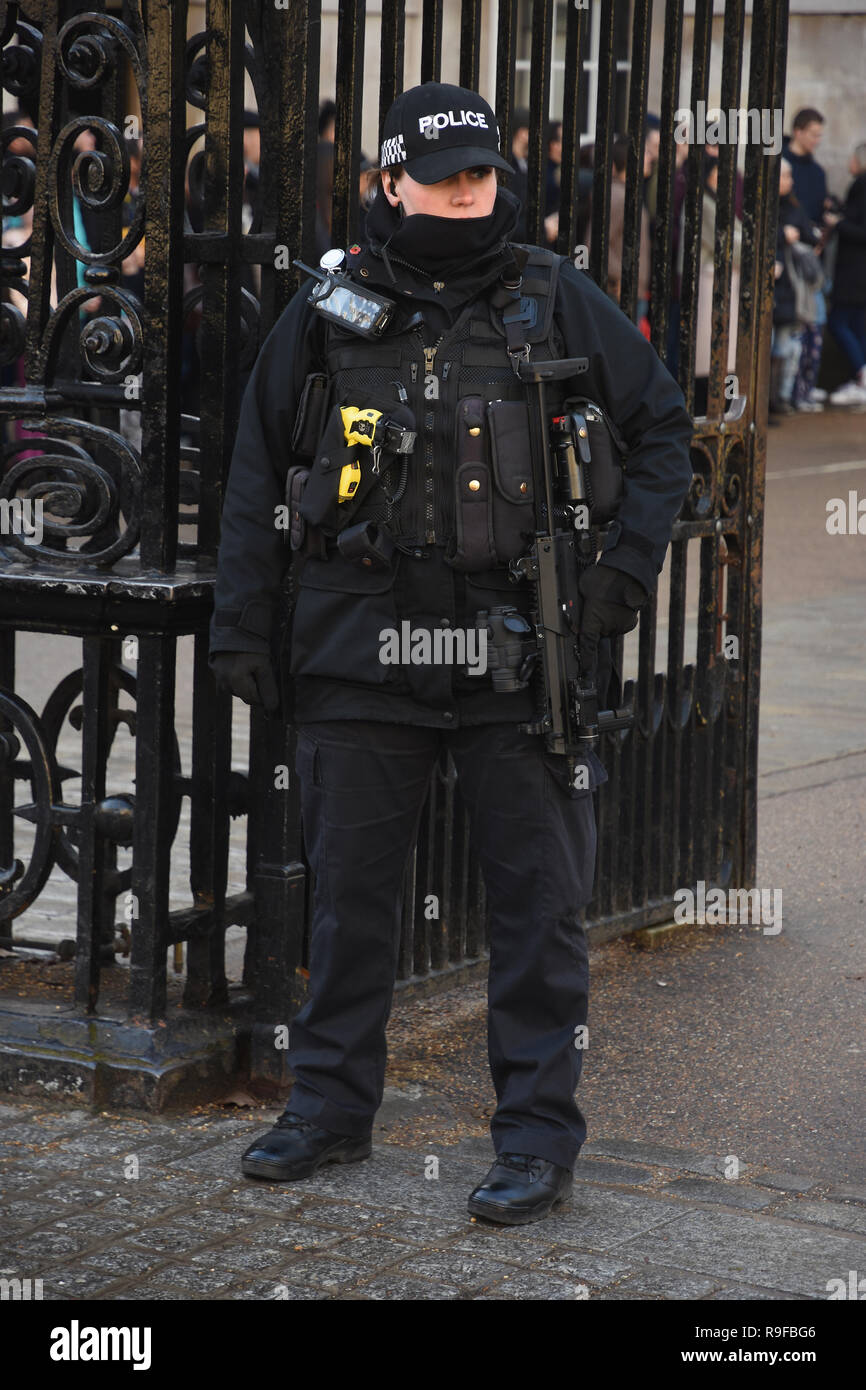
<point x="568" y="715"/>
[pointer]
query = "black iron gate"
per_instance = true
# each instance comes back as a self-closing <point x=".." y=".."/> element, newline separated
<point x="100" y="369"/>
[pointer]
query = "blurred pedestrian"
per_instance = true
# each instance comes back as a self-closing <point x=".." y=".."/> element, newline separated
<point x="519" y="161"/>
<point x="793" y="297"/>
<point x="552" y="189"/>
<point x="810" y="190"/>
<point x="704" y="326"/>
<point x="809" y="178"/>
<point x="847" y="319"/>
<point x="616" y="231"/>
<point x="327" y="121"/>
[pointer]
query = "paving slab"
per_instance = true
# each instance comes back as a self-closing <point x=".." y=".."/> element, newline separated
<point x="662" y="1281"/>
<point x="726" y="1194"/>
<point x="662" y="1155"/>
<point x="784" y="1182"/>
<point x="756" y="1249"/>
<point x="536" y="1287"/>
<point x="396" y="1285"/>
<point x="837" y="1214"/>
<point x="848" y="1194"/>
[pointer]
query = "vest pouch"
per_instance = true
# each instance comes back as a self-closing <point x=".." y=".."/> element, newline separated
<point x="604" y="472"/>
<point x="474" y="548"/>
<point x="318" y="505"/>
<point x="311" y="415"/>
<point x="513" y="499"/>
<point x="296" y="481"/>
<point x="341" y="612"/>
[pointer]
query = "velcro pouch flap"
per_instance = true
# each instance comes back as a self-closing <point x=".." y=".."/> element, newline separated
<point x="311" y="415"/>
<point x="475" y="548"/>
<point x="508" y="423"/>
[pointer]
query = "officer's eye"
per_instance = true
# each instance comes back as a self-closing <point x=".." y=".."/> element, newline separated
<point x="482" y="171"/>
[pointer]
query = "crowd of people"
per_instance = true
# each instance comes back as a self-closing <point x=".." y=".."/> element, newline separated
<point x="820" y="266"/>
<point x="820" y="274"/>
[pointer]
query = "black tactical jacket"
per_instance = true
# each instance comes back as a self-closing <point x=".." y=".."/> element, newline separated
<point x="330" y="663"/>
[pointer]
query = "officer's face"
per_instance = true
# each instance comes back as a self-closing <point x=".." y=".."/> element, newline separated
<point x="471" y="193"/>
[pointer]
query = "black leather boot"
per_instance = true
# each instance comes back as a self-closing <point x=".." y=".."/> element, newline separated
<point x="520" y="1188"/>
<point x="296" y="1147"/>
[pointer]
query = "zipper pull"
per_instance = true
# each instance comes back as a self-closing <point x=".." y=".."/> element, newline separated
<point x="414" y="371"/>
<point x="430" y="358"/>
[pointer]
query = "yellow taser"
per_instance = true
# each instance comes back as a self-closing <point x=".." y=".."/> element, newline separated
<point x="350" y="477"/>
<point x="359" y="426"/>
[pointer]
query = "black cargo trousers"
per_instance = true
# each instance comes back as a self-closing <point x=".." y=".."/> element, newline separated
<point x="363" y="787"/>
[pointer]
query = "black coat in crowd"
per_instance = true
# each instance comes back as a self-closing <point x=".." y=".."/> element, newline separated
<point x="791" y="214"/>
<point x="849" y="278"/>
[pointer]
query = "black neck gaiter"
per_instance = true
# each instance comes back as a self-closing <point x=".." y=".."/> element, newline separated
<point x="442" y="245"/>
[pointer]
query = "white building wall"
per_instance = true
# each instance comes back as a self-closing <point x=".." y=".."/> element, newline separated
<point x="826" y="64"/>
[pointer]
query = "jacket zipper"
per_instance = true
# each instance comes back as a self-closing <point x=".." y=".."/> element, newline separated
<point x="425" y="274"/>
<point x="429" y="521"/>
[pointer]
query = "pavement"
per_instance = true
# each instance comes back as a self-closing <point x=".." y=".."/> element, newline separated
<point x="110" y="1208"/>
<point x="723" y="1085"/>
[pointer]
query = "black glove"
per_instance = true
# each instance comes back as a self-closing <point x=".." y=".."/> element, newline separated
<point x="249" y="675"/>
<point x="611" y="599"/>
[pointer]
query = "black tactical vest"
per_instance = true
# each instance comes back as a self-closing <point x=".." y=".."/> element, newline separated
<point x="444" y="383"/>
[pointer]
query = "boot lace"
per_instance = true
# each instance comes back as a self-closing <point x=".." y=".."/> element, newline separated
<point x="522" y="1163"/>
<point x="289" y="1120"/>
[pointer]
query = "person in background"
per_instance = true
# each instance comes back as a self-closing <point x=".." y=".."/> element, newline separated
<point x="810" y="190"/>
<point x="554" y="166"/>
<point x="793" y="228"/>
<point x="327" y="121"/>
<point x="519" y="161"/>
<point x="847" y="318"/>
<point x="586" y="178"/>
<point x="616" y="229"/>
<point x="808" y="176"/>
<point x="552" y="191"/>
<point x="681" y="154"/>
<point x="704" y="326"/>
<point x="367" y="184"/>
<point x="651" y="146"/>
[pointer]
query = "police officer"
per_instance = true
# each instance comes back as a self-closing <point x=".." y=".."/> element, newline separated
<point x="404" y="533"/>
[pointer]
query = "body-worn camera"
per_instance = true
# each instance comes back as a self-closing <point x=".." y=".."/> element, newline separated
<point x="339" y="299"/>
